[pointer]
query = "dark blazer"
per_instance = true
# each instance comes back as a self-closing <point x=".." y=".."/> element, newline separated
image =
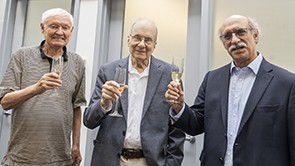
<point x="266" y="135"/>
<point x="162" y="144"/>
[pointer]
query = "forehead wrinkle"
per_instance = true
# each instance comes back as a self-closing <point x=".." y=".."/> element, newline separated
<point x="234" y="22"/>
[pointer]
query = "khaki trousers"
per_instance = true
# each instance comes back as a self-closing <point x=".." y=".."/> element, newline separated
<point x="132" y="162"/>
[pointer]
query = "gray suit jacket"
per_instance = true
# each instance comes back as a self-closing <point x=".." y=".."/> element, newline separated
<point x="162" y="144"/>
<point x="266" y="135"/>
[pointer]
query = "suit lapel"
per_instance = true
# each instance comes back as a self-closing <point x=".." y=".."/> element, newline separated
<point x="263" y="79"/>
<point x="224" y="81"/>
<point x="153" y="79"/>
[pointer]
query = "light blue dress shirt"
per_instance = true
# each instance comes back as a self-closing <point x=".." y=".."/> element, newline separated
<point x="241" y="82"/>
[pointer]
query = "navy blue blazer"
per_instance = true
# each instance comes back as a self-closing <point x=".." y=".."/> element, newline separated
<point x="266" y="135"/>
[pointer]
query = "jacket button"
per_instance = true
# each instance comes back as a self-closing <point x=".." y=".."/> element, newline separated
<point x="124" y="133"/>
<point x="221" y="159"/>
<point x="237" y="144"/>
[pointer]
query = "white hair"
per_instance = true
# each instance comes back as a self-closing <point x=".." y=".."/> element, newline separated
<point x="145" y="22"/>
<point x="55" y="12"/>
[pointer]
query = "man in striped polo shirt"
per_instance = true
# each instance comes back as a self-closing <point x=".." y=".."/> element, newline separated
<point x="45" y="105"/>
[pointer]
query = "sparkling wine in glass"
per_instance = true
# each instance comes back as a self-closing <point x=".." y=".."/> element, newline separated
<point x="177" y="70"/>
<point x="57" y="67"/>
<point x="120" y="78"/>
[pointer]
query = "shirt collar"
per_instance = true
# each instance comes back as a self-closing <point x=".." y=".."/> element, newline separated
<point x="254" y="65"/>
<point x="43" y="56"/>
<point x="131" y="68"/>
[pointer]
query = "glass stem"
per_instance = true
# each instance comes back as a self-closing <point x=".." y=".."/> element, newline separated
<point x="116" y="106"/>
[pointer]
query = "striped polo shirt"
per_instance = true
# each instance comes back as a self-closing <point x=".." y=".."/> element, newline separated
<point x="41" y="126"/>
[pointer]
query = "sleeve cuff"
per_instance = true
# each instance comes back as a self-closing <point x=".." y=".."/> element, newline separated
<point x="174" y="116"/>
<point x="106" y="110"/>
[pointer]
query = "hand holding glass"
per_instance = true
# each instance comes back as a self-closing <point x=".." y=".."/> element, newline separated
<point x="120" y="78"/>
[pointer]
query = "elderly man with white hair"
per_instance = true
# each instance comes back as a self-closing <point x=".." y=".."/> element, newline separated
<point x="45" y="103"/>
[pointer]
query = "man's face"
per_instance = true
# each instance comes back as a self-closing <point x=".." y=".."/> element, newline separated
<point x="57" y="31"/>
<point x="239" y="40"/>
<point x="141" y="41"/>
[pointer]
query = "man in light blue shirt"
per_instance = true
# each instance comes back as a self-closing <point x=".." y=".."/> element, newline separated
<point x="246" y="109"/>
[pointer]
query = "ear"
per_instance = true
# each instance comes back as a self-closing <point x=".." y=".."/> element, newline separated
<point x="256" y="36"/>
<point x="42" y="26"/>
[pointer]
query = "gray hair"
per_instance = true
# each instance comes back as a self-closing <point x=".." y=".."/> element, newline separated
<point x="55" y="12"/>
<point x="253" y="25"/>
<point x="148" y="22"/>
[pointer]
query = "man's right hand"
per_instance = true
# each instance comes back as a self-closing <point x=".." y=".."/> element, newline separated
<point x="48" y="81"/>
<point x="175" y="96"/>
<point x="110" y="93"/>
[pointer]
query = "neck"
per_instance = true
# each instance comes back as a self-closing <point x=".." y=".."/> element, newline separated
<point x="140" y="64"/>
<point x="52" y="52"/>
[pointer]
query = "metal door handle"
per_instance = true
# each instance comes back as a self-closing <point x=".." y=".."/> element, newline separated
<point x="190" y="138"/>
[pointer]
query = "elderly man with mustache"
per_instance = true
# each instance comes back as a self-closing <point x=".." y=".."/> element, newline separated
<point x="245" y="109"/>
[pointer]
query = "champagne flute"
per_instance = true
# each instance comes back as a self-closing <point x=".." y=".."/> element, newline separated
<point x="57" y="67"/>
<point x="177" y="70"/>
<point x="120" y="78"/>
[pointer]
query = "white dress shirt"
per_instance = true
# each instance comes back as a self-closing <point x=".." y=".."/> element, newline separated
<point x="137" y="84"/>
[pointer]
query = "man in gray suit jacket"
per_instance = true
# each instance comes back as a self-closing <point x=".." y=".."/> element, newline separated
<point x="246" y="109"/>
<point x="142" y="135"/>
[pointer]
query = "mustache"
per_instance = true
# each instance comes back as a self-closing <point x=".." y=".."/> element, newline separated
<point x="236" y="46"/>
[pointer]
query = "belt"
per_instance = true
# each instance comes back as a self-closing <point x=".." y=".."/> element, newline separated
<point x="132" y="153"/>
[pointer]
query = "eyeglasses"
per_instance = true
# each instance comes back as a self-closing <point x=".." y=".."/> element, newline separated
<point x="241" y="32"/>
<point x="64" y="28"/>
<point x="139" y="38"/>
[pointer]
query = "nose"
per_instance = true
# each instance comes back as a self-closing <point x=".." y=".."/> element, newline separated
<point x="59" y="30"/>
<point x="234" y="38"/>
<point x="141" y="43"/>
